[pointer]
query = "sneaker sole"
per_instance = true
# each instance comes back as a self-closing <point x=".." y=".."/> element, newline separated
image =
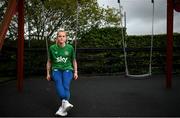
<point x="59" y="114"/>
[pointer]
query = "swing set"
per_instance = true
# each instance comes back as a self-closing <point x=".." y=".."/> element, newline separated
<point x="17" y="6"/>
<point x="125" y="45"/>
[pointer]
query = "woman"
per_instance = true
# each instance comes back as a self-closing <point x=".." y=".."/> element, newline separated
<point x="62" y="63"/>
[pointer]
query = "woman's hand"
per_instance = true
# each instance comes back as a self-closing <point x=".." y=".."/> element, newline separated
<point x="75" y="75"/>
<point x="48" y="77"/>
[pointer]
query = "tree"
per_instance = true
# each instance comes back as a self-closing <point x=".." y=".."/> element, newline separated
<point x="91" y="15"/>
<point x="44" y="17"/>
<point x="50" y="15"/>
<point x="3" y="5"/>
<point x="12" y="30"/>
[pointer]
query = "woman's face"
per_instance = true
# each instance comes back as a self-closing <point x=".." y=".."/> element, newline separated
<point x="61" y="37"/>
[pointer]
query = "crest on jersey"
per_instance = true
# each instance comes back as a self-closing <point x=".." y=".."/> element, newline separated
<point x="66" y="53"/>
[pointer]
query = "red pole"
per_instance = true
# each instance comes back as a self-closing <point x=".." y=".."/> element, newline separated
<point x="7" y="20"/>
<point x="169" y="48"/>
<point x="20" y="58"/>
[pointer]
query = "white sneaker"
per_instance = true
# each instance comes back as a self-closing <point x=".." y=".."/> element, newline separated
<point x="61" y="112"/>
<point x="66" y="105"/>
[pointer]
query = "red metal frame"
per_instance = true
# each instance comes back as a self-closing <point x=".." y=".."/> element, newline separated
<point x="20" y="58"/>
<point x="169" y="47"/>
<point x="11" y="8"/>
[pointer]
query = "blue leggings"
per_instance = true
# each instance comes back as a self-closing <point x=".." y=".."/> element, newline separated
<point x="62" y="81"/>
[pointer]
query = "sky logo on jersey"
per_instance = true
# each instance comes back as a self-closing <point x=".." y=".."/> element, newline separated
<point x="61" y="59"/>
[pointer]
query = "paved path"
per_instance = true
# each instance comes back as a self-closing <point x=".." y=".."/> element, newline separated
<point x="94" y="96"/>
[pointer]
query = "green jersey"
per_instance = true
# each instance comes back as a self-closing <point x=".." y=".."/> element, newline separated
<point x="61" y="57"/>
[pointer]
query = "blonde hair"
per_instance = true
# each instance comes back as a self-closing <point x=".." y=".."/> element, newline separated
<point x="61" y="30"/>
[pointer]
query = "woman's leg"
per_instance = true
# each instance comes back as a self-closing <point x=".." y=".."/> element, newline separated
<point x="57" y="76"/>
<point x="67" y="77"/>
<point x="63" y="80"/>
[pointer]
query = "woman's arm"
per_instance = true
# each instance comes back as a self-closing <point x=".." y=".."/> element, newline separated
<point x="48" y="68"/>
<point x="75" y="69"/>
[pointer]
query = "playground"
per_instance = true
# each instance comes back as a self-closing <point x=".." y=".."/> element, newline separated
<point x="139" y="79"/>
<point x="95" y="96"/>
